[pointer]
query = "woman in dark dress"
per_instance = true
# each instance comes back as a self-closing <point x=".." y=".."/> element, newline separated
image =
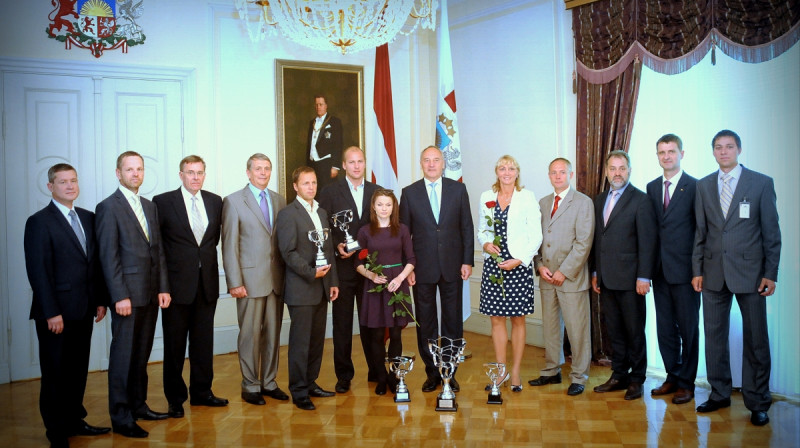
<point x="392" y="241"/>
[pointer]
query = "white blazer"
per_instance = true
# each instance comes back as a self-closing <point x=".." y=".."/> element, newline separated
<point x="524" y="225"/>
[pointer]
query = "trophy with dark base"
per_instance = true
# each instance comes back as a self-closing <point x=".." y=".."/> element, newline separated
<point x="400" y="366"/>
<point x="446" y="356"/>
<point x="342" y="220"/>
<point x="318" y="237"/>
<point x="495" y="370"/>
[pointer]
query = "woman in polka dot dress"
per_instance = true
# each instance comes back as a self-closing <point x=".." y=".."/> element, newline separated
<point x="510" y="232"/>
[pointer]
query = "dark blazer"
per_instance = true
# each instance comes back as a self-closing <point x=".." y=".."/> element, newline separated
<point x="624" y="248"/>
<point x="329" y="140"/>
<point x="731" y="250"/>
<point x="132" y="266"/>
<point x="299" y="253"/>
<point x="676" y="226"/>
<point x="335" y="198"/>
<point x="440" y="248"/>
<point x="180" y="246"/>
<point x="65" y="281"/>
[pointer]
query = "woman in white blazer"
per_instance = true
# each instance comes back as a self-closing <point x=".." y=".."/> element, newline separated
<point x="510" y="233"/>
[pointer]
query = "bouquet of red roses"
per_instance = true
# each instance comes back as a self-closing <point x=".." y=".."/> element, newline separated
<point x="371" y="264"/>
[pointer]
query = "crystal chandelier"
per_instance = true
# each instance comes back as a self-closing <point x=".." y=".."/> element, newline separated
<point x="343" y="25"/>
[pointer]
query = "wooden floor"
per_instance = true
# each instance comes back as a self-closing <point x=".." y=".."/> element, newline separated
<point x="543" y="416"/>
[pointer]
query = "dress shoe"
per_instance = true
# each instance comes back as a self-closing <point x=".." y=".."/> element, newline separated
<point x="516" y="388"/>
<point x="543" y="380"/>
<point x="131" y="430"/>
<point x="380" y="389"/>
<point x="664" y="389"/>
<point x="759" y="418"/>
<point x="305" y="404"/>
<point x="85" y="429"/>
<point x="430" y="384"/>
<point x="634" y="391"/>
<point x="611" y="385"/>
<point x="713" y="405"/>
<point x="682" y="396"/>
<point x="149" y="414"/>
<point x="575" y="389"/>
<point x="321" y="393"/>
<point x="253" y="398"/>
<point x="454" y="385"/>
<point x="342" y="386"/>
<point x="209" y="400"/>
<point x="276" y="393"/>
<point x="175" y="411"/>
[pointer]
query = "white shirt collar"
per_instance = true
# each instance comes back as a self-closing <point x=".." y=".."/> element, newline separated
<point x="674" y="179"/>
<point x="129" y="194"/>
<point x="353" y="186"/>
<point x="187" y="196"/>
<point x="562" y="195"/>
<point x="735" y="173"/>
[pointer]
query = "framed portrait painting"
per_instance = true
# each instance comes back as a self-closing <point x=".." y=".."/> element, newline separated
<point x="299" y="88"/>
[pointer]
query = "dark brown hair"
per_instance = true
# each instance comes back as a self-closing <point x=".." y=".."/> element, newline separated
<point x="394" y="218"/>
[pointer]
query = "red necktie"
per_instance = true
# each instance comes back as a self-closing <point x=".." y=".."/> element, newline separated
<point x="555" y="206"/>
<point x="666" y="194"/>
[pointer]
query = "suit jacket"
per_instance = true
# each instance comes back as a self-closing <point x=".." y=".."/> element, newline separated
<point x="676" y="227"/>
<point x="65" y="280"/>
<point x="732" y="250"/>
<point x="567" y="240"/>
<point x="440" y="248"/>
<point x="329" y="140"/>
<point x="249" y="254"/>
<point x="182" y="252"/>
<point x="300" y="254"/>
<point x="624" y="248"/>
<point x="133" y="267"/>
<point x="335" y="198"/>
<point x="523" y="229"/>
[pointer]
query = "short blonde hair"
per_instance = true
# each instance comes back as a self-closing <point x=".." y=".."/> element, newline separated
<point x="507" y="160"/>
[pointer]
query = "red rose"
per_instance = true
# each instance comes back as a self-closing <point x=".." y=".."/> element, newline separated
<point x="491" y="204"/>
<point x="363" y="254"/>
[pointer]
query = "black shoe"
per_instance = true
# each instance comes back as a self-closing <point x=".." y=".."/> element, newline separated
<point x="759" y="418"/>
<point x="320" y="392"/>
<point x="713" y="405"/>
<point x="430" y="384"/>
<point x="131" y="430"/>
<point x="575" y="389"/>
<point x="175" y="411"/>
<point x="611" y="385"/>
<point x="149" y="414"/>
<point x="454" y="385"/>
<point x="342" y="386"/>
<point x="253" y="398"/>
<point x="544" y="380"/>
<point x="634" y="391"/>
<point x="380" y="389"/>
<point x="276" y="393"/>
<point x="85" y="429"/>
<point x="305" y="404"/>
<point x="209" y="400"/>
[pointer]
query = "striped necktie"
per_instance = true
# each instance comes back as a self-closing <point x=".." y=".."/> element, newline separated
<point x="726" y="195"/>
<point x="73" y="220"/>
<point x="197" y="222"/>
<point x="137" y="210"/>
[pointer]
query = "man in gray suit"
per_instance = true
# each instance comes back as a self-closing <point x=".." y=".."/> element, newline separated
<point x="568" y="231"/>
<point x="254" y="273"/>
<point x="308" y="287"/>
<point x="135" y="271"/>
<point x="737" y="249"/>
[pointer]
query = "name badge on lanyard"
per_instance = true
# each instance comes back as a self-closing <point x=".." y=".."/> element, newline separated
<point x="744" y="209"/>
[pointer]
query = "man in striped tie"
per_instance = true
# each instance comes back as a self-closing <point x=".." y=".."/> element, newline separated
<point x="737" y="249"/>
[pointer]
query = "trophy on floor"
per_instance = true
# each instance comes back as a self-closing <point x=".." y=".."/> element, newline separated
<point x="446" y="356"/>
<point x="400" y="366"/>
<point x="318" y="237"/>
<point x="495" y="370"/>
<point x="342" y="220"/>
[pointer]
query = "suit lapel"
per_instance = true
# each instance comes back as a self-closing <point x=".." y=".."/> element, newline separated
<point x="623" y="200"/>
<point x="66" y="226"/>
<point x="738" y="194"/>
<point x="250" y="202"/>
<point x="128" y="210"/>
<point x="180" y="211"/>
<point x="563" y="206"/>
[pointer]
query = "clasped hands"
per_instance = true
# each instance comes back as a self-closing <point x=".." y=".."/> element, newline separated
<point x="505" y="265"/>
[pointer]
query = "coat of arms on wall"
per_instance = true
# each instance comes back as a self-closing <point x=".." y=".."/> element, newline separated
<point x="96" y="25"/>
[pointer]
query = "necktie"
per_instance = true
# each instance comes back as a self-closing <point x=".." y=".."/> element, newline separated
<point x="137" y="209"/>
<point x="434" y="202"/>
<point x="73" y="219"/>
<point x="666" y="194"/>
<point x="610" y="206"/>
<point x="726" y="195"/>
<point x="555" y="205"/>
<point x="197" y="222"/>
<point x="265" y="210"/>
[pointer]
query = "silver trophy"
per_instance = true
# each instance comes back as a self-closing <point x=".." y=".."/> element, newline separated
<point x="400" y="366"/>
<point x="446" y="356"/>
<point x="318" y="237"/>
<point x="342" y="220"/>
<point x="495" y="370"/>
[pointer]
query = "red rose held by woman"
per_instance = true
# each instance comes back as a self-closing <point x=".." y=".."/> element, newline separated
<point x="491" y="204"/>
<point x="363" y="254"/>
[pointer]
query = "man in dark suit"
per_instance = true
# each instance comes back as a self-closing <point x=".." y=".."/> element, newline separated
<point x="737" y="249"/>
<point x="624" y="255"/>
<point x="254" y="273"/>
<point x="68" y="292"/>
<point x="436" y="211"/>
<point x="351" y="193"/>
<point x="135" y="271"/>
<point x="324" y="143"/>
<point x="677" y="303"/>
<point x="307" y="287"/>
<point x="190" y="220"/>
